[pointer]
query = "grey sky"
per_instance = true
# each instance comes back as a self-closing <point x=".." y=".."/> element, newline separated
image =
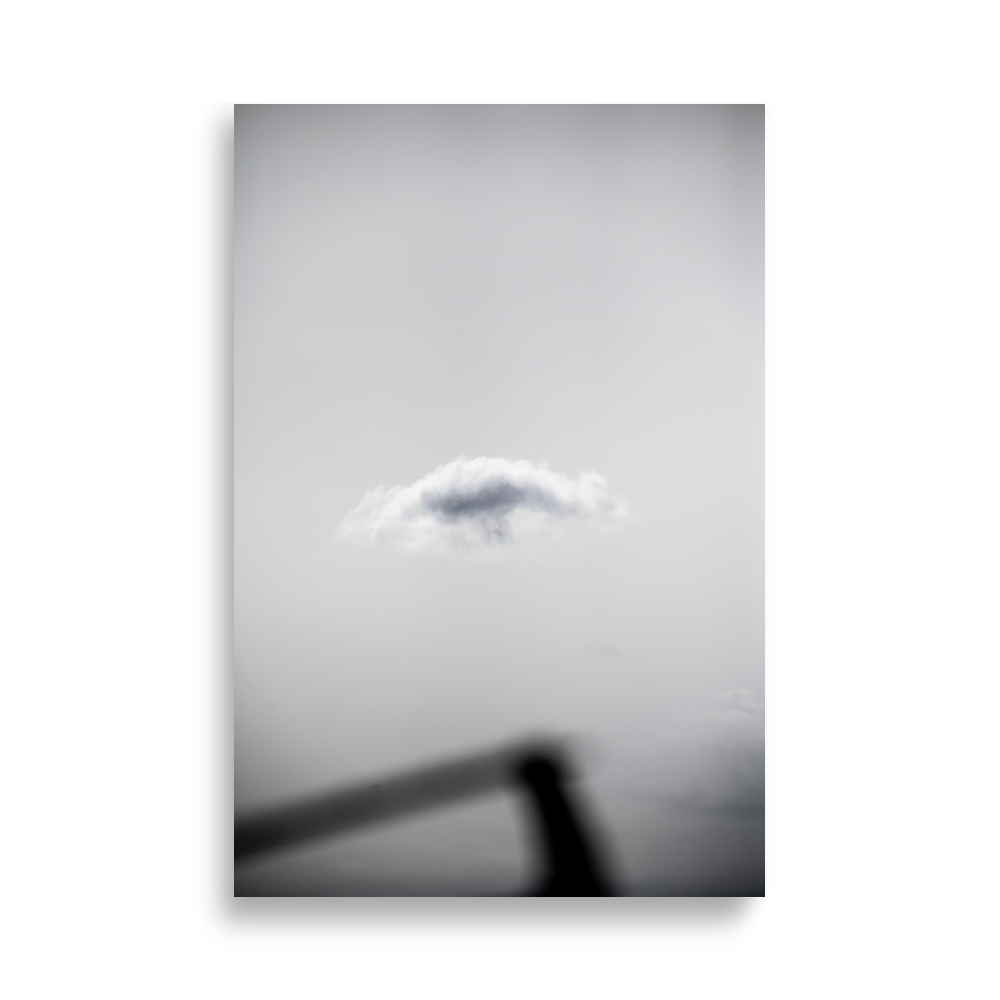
<point x="579" y="288"/>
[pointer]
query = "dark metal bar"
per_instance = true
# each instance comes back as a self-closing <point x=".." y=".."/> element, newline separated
<point x="570" y="859"/>
<point x="338" y="812"/>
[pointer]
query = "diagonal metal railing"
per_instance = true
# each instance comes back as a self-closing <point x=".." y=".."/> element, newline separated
<point x="571" y="860"/>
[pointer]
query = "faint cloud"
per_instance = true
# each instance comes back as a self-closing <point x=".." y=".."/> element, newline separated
<point x="743" y="713"/>
<point x="717" y="769"/>
<point x="483" y="505"/>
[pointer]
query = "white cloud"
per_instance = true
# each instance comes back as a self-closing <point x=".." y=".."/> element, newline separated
<point x="483" y="505"/>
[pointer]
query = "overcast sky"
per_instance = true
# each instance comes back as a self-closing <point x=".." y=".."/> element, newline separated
<point x="499" y="471"/>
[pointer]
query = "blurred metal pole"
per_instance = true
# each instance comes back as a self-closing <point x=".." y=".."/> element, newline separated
<point x="571" y="859"/>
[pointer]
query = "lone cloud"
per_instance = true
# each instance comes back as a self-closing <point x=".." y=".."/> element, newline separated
<point x="483" y="505"/>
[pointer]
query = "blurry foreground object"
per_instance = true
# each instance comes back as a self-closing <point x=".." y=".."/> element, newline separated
<point x="571" y="863"/>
